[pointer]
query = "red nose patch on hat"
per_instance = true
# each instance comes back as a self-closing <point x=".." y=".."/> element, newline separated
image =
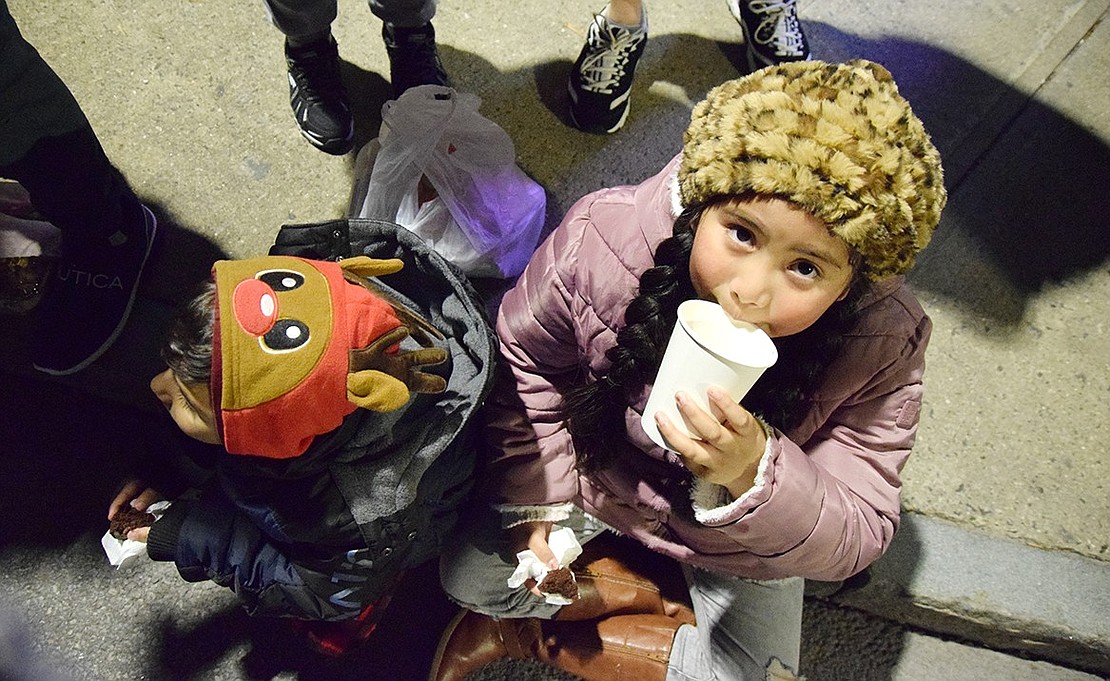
<point x="255" y="306"/>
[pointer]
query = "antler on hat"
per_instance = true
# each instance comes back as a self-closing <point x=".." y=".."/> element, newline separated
<point x="837" y="140"/>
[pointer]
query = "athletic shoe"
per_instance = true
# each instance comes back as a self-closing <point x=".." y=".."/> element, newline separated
<point x="89" y="299"/>
<point x="413" y="58"/>
<point x="318" y="97"/>
<point x="772" y="32"/>
<point x="601" y="80"/>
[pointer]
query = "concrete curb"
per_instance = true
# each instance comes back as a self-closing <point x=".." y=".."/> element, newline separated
<point x="1004" y="594"/>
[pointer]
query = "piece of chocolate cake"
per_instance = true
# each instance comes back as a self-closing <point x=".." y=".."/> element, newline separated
<point x="560" y="582"/>
<point x="127" y="519"/>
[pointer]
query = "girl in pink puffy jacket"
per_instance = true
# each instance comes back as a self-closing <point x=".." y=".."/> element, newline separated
<point x="801" y="194"/>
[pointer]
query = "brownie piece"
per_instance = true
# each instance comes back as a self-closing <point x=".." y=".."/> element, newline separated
<point x="127" y="519"/>
<point x="560" y="582"/>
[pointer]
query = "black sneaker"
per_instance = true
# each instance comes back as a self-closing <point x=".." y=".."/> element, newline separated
<point x="601" y="80"/>
<point x="318" y="97"/>
<point x="772" y="32"/>
<point x="89" y="298"/>
<point x="413" y="58"/>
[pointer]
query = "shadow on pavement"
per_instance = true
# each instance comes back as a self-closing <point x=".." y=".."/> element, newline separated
<point x="1028" y="201"/>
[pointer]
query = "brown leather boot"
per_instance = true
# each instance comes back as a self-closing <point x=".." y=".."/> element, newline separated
<point x="618" y="648"/>
<point x="617" y="579"/>
<point x="617" y="576"/>
<point x="472" y="640"/>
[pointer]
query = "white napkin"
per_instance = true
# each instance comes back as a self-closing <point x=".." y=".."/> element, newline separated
<point x="121" y="552"/>
<point x="566" y="548"/>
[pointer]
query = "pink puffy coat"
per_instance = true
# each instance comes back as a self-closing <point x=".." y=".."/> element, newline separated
<point x="826" y="503"/>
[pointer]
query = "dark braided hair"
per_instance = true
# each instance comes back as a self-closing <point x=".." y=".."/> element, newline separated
<point x="188" y="346"/>
<point x="595" y="412"/>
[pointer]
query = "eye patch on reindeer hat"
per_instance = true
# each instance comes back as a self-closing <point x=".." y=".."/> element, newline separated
<point x="300" y="344"/>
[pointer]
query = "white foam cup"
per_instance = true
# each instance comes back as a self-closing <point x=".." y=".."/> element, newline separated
<point x="706" y="348"/>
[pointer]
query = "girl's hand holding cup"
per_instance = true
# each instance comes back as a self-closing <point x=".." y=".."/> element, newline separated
<point x="725" y="444"/>
<point x="709" y="353"/>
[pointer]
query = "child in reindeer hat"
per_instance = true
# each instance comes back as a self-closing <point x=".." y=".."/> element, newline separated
<point x="800" y="196"/>
<point x="339" y="409"/>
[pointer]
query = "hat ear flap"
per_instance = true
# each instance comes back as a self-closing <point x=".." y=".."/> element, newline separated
<point x="376" y="390"/>
<point x="365" y="266"/>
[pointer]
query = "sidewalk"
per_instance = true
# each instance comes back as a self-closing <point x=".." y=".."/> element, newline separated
<point x="1008" y="511"/>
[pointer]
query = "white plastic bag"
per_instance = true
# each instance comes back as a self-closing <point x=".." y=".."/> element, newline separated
<point x="486" y="215"/>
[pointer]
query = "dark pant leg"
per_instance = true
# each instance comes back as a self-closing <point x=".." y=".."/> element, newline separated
<point x="48" y="146"/>
<point x="404" y="13"/>
<point x="75" y="187"/>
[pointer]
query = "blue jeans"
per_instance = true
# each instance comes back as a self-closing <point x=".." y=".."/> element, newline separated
<point x="744" y="628"/>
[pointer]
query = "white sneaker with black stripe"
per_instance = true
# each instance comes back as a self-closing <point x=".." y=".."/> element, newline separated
<point x="772" y="32"/>
<point x="600" y="82"/>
